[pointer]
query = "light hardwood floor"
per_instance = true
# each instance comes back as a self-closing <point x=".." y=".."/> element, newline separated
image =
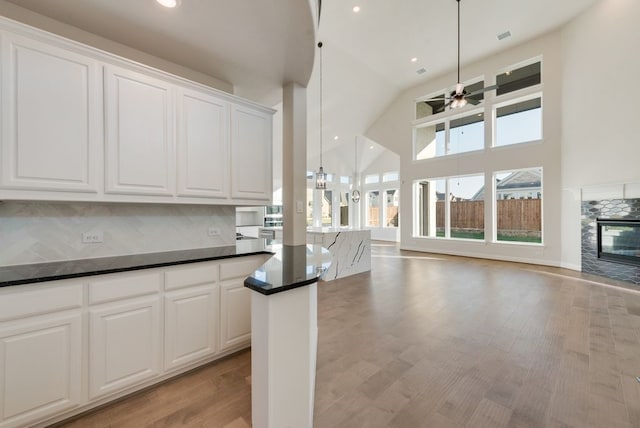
<point x="427" y="340"/>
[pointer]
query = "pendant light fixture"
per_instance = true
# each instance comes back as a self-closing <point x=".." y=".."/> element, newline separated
<point x="321" y="176"/>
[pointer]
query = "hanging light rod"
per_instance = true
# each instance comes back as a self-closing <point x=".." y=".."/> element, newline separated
<point x="321" y="176"/>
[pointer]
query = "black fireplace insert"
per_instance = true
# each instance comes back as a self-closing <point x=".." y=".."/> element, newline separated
<point x="619" y="240"/>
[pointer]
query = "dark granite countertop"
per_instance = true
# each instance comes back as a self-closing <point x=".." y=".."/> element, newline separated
<point x="291" y="267"/>
<point x="40" y="272"/>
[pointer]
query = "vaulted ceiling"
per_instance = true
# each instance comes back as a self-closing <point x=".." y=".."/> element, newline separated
<point x="259" y="45"/>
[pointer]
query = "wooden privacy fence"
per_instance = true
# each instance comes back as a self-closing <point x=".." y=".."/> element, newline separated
<point x="513" y="214"/>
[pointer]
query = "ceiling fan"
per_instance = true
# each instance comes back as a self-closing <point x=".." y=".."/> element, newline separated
<point x="459" y="97"/>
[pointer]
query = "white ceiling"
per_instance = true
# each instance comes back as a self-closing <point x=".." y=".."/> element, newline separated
<point x="258" y="44"/>
<point x="367" y="55"/>
<point x="254" y="45"/>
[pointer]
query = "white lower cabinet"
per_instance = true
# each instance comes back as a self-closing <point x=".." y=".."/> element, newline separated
<point x="69" y="345"/>
<point x="191" y="322"/>
<point x="235" y="314"/>
<point x="124" y="344"/>
<point x="40" y="368"/>
<point x="235" y="301"/>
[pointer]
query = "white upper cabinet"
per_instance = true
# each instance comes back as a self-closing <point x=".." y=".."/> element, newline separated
<point x="203" y="145"/>
<point x="251" y="176"/>
<point x="79" y="124"/>
<point x="139" y="133"/>
<point x="51" y="117"/>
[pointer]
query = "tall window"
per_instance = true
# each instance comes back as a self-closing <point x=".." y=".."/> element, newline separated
<point x="391" y="204"/>
<point x="460" y="199"/>
<point x="431" y="198"/>
<point x="373" y="208"/>
<point x="466" y="207"/>
<point x="466" y="133"/>
<point x="429" y="141"/>
<point x="344" y="208"/>
<point x="519" y="122"/>
<point x="327" y="207"/>
<point x="519" y="205"/>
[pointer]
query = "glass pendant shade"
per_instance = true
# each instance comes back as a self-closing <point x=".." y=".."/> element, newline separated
<point x="321" y="179"/>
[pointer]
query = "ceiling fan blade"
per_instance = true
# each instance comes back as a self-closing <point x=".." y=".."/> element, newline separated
<point x="436" y="99"/>
<point x="480" y="91"/>
<point x="472" y="101"/>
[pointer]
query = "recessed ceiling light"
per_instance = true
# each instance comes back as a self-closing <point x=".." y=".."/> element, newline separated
<point x="168" y="3"/>
<point x="371" y="147"/>
<point x="508" y="73"/>
<point x="336" y="137"/>
<point x="356" y="9"/>
<point x="414" y="59"/>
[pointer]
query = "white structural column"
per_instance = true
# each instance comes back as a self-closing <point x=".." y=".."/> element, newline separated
<point x="294" y="164"/>
<point x="284" y="337"/>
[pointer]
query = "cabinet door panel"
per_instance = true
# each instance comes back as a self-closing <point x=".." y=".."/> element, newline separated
<point x="35" y="354"/>
<point x="139" y="124"/>
<point x="235" y="313"/>
<point x="124" y="345"/>
<point x="251" y="154"/>
<point x="190" y="325"/>
<point x="203" y="145"/>
<point x="52" y="118"/>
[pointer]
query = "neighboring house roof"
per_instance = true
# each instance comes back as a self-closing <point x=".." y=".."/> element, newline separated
<point x="527" y="179"/>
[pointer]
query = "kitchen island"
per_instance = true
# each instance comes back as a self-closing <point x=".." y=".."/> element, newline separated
<point x="350" y="249"/>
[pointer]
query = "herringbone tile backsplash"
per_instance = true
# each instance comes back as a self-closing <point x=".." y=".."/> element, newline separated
<point x="33" y="232"/>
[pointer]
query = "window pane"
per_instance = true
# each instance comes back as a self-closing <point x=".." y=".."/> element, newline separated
<point x="345" y="179"/>
<point x="475" y="87"/>
<point x="344" y="209"/>
<point x="390" y="176"/>
<point x="371" y="179"/>
<point x="428" y="108"/>
<point x="309" y="207"/>
<point x="391" y="203"/>
<point x="373" y="208"/>
<point x="467" y="134"/>
<point x="520" y="78"/>
<point x="327" y="204"/>
<point x="431" y="207"/>
<point x="519" y="122"/>
<point x="429" y="141"/>
<point x="466" y="207"/>
<point x="519" y="205"/>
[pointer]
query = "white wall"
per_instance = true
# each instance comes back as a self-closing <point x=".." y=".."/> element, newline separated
<point x="600" y="107"/>
<point x="394" y="130"/>
<point x="33" y="232"/>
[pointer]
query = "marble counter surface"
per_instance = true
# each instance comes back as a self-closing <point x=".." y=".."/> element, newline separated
<point x="40" y="272"/>
<point x="291" y="267"/>
<point x="350" y="249"/>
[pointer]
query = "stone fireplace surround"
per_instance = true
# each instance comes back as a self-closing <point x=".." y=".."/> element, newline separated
<point x="627" y="209"/>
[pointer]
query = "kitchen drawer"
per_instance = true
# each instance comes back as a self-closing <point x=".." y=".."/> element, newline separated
<point x="193" y="274"/>
<point x="124" y="285"/>
<point x="36" y="299"/>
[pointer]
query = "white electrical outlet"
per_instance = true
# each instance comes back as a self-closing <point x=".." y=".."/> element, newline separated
<point x="213" y="231"/>
<point x="94" y="237"/>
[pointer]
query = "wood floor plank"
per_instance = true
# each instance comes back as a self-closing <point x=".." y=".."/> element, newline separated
<point x="428" y="340"/>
